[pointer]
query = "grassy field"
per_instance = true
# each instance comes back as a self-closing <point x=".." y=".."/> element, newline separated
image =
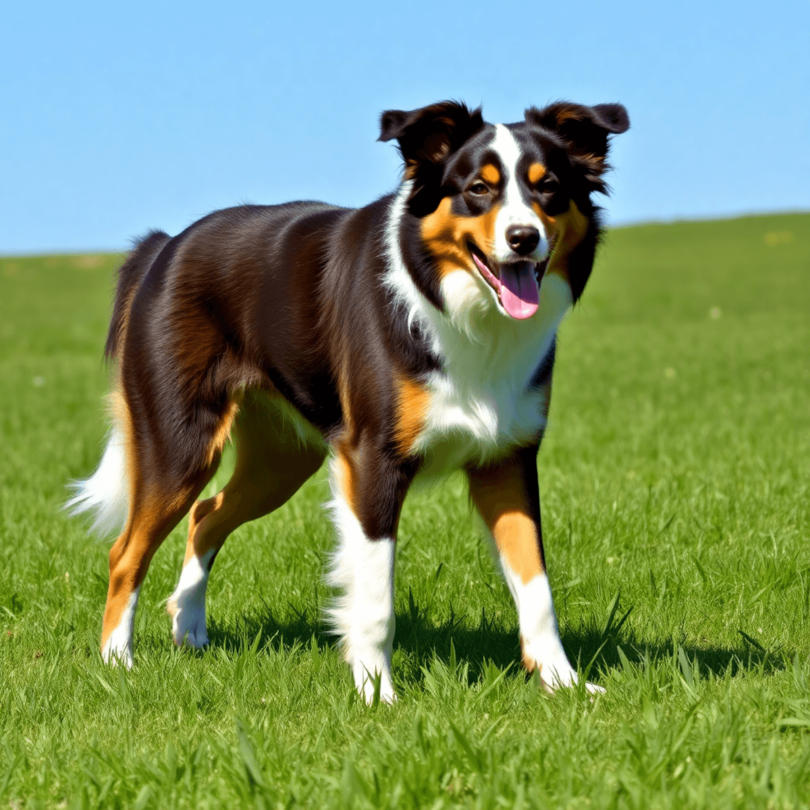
<point x="674" y="479"/>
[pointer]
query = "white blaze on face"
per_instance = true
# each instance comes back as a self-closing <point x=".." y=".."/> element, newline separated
<point x="514" y="209"/>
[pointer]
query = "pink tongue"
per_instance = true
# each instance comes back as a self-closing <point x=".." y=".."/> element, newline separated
<point x="519" y="289"/>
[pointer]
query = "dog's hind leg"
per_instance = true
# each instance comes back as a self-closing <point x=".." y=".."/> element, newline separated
<point x="165" y="478"/>
<point x="272" y="463"/>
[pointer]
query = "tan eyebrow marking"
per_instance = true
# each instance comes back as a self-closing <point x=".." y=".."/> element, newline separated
<point x="490" y="174"/>
<point x="536" y="172"/>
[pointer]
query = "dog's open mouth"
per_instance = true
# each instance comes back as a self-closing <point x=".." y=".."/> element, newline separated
<point x="516" y="283"/>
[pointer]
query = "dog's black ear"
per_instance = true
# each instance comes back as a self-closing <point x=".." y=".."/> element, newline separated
<point x="427" y="137"/>
<point x="431" y="133"/>
<point x="584" y="129"/>
<point x="585" y="132"/>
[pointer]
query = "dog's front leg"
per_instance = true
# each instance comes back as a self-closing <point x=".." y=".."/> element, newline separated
<point x="368" y="488"/>
<point x="507" y="498"/>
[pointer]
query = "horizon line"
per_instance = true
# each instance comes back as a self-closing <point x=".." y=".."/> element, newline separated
<point x="620" y="225"/>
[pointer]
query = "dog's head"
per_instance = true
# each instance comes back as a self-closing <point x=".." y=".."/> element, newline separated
<point x="505" y="204"/>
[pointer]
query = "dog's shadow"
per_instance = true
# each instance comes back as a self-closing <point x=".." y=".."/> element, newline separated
<point x="489" y="643"/>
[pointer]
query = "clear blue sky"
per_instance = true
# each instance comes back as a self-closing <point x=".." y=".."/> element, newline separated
<point x="115" y="118"/>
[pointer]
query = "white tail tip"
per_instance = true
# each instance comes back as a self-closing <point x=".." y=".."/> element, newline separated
<point x="105" y="493"/>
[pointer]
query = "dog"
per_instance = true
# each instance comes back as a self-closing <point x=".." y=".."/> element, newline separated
<point x="402" y="341"/>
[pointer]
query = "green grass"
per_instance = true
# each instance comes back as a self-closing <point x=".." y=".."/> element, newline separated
<point x="674" y="480"/>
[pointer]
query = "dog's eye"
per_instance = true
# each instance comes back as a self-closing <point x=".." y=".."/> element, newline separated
<point x="479" y="189"/>
<point x="548" y="185"/>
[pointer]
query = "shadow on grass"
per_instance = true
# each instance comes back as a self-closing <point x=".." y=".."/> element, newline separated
<point x="489" y="642"/>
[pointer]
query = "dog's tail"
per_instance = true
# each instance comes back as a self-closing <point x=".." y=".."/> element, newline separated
<point x="105" y="494"/>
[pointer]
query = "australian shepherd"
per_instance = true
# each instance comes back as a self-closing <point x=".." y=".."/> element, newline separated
<point x="402" y="341"/>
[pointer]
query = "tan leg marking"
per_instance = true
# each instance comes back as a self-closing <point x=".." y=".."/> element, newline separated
<point x="345" y="476"/>
<point x="119" y="415"/>
<point x="223" y="432"/>
<point x="499" y="494"/>
<point x="412" y="405"/>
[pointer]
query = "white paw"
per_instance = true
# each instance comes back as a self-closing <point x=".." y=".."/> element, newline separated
<point x="188" y="622"/>
<point x="546" y="654"/>
<point x="561" y="675"/>
<point x="186" y="605"/>
<point x="117" y="652"/>
<point x="366" y="675"/>
<point x="193" y="633"/>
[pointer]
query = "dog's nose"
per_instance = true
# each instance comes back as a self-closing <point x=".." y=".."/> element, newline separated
<point x="523" y="239"/>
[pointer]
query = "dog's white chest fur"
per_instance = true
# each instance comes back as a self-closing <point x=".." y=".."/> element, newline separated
<point x="474" y="424"/>
<point x="482" y="403"/>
